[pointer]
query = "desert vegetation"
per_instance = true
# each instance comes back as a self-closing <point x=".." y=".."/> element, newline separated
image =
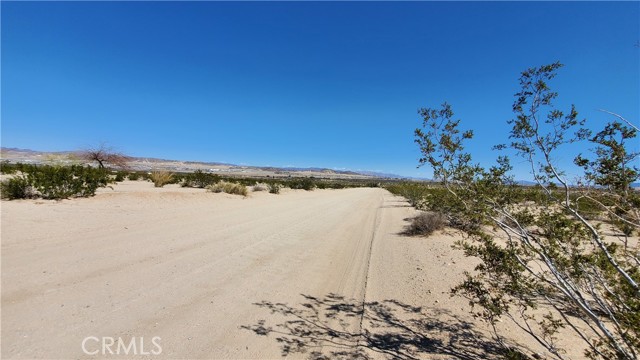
<point x="52" y="182"/>
<point x="426" y="223"/>
<point x="161" y="178"/>
<point x="229" y="188"/>
<point x="554" y="256"/>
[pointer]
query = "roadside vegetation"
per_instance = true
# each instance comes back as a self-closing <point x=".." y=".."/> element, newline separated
<point x="34" y="181"/>
<point x="557" y="256"/>
<point x="229" y="188"/>
<point x="52" y="182"/>
<point x="161" y="178"/>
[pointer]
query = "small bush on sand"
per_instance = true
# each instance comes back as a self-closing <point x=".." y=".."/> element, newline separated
<point x="301" y="183"/>
<point x="425" y="224"/>
<point x="161" y="177"/>
<point x="134" y="176"/>
<point x="274" y="188"/>
<point x="120" y="176"/>
<point x="16" y="188"/>
<point x="229" y="188"/>
<point x="260" y="187"/>
<point x="199" y="179"/>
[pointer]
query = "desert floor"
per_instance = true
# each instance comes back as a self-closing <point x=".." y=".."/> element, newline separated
<point x="302" y="274"/>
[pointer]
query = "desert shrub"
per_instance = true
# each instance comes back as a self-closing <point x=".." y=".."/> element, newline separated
<point x="415" y="193"/>
<point x="120" y="176"/>
<point x="161" y="178"/>
<point x="274" y="188"/>
<point x="425" y="224"/>
<point x="302" y="183"/>
<point x="55" y="182"/>
<point x="199" y="179"/>
<point x="229" y="188"/>
<point x="260" y="187"/>
<point x="544" y="264"/>
<point x="7" y="168"/>
<point x="133" y="176"/>
<point x="17" y="187"/>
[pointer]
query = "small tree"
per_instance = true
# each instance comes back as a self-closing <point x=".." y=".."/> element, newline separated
<point x="105" y="156"/>
<point x="545" y="254"/>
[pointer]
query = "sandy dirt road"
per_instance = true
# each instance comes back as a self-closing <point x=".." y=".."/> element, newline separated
<point x="181" y="264"/>
<point x="320" y="274"/>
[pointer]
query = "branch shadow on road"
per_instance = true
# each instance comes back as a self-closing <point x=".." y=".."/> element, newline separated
<point x="329" y="328"/>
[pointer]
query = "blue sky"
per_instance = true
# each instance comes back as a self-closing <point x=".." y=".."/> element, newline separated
<point x="329" y="84"/>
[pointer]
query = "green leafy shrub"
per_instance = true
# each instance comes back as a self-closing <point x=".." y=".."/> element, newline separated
<point x="55" y="182"/>
<point x="301" y="183"/>
<point x="544" y="264"/>
<point x="7" y="168"/>
<point x="134" y="176"/>
<point x="415" y="193"/>
<point x="199" y="179"/>
<point x="161" y="178"/>
<point x="120" y="176"/>
<point x="17" y="187"/>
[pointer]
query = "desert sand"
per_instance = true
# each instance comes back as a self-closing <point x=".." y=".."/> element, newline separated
<point x="321" y="274"/>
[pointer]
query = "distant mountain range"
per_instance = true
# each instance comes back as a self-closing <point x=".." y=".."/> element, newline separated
<point x="34" y="156"/>
<point x="139" y="163"/>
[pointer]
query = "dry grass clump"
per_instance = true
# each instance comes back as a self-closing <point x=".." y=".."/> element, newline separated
<point x="260" y="187"/>
<point x="161" y="177"/>
<point x="229" y="188"/>
<point x="425" y="224"/>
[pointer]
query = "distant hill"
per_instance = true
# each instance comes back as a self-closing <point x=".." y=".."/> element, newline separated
<point x="140" y="163"/>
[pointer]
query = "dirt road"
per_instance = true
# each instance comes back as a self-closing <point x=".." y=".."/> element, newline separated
<point x="184" y="273"/>
<point x="180" y="264"/>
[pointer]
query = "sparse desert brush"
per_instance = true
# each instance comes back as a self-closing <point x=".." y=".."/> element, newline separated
<point x="260" y="187"/>
<point x="229" y="188"/>
<point x="161" y="177"/>
<point x="425" y="224"/>
<point x="274" y="188"/>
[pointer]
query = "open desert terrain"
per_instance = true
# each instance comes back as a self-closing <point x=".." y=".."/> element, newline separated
<point x="318" y="274"/>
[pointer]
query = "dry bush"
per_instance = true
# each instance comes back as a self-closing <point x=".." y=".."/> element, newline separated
<point x="260" y="187"/>
<point x="105" y="156"/>
<point x="229" y="188"/>
<point x="425" y="224"/>
<point x="161" y="177"/>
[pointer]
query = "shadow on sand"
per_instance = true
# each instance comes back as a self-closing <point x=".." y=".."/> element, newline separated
<point x="334" y="327"/>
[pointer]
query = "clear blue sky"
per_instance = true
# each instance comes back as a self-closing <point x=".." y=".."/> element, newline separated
<point x="329" y="84"/>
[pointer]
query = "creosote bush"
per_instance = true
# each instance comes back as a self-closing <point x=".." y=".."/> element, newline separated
<point x="425" y="224"/>
<point x="543" y="262"/>
<point x="301" y="183"/>
<point x="161" y="178"/>
<point x="274" y="188"/>
<point x="199" y="179"/>
<point x="54" y="182"/>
